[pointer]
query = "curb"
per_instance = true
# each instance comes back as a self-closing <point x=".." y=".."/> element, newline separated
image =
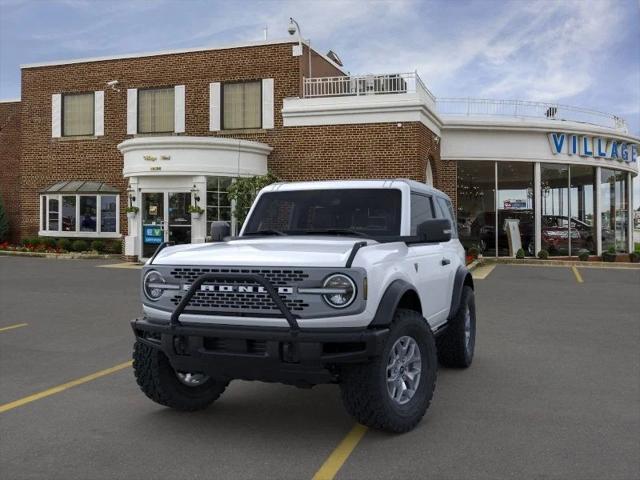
<point x="63" y="256"/>
<point x="562" y="263"/>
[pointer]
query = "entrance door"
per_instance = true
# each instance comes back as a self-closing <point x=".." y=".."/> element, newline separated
<point x="164" y="218"/>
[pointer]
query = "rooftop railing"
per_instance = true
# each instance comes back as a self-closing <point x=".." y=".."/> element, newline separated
<point x="521" y="108"/>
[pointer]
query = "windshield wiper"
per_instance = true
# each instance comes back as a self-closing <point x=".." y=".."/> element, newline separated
<point x="337" y="231"/>
<point x="265" y="232"/>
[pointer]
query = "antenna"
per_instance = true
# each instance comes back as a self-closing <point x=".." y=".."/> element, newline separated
<point x="266" y="32"/>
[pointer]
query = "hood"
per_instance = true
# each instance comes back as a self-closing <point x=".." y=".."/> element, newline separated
<point x="308" y="251"/>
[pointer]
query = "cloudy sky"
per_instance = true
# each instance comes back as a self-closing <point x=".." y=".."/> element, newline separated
<point x="579" y="52"/>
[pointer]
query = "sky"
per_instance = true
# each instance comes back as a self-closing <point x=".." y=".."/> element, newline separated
<point x="577" y="52"/>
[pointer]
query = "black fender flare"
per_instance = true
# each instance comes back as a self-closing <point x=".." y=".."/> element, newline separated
<point x="463" y="277"/>
<point x="389" y="302"/>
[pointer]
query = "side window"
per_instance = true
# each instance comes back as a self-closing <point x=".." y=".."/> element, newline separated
<point x="447" y="212"/>
<point x="421" y="210"/>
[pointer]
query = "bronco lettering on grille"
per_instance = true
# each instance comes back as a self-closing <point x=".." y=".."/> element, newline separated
<point x="239" y="289"/>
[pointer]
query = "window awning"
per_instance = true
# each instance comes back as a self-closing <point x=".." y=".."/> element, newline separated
<point x="80" y="186"/>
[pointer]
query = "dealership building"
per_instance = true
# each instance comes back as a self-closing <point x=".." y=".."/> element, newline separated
<point x="165" y="130"/>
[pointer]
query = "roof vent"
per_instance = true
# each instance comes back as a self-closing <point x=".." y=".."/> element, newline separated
<point x="333" y="56"/>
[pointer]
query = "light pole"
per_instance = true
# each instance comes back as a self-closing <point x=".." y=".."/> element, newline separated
<point x="293" y="28"/>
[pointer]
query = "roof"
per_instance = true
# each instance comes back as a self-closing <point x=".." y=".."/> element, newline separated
<point x="369" y="183"/>
<point x="80" y="186"/>
<point x="174" y="52"/>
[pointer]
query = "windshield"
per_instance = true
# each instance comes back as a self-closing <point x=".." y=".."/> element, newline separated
<point x="358" y="212"/>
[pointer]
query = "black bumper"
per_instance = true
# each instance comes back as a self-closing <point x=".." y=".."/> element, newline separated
<point x="302" y="357"/>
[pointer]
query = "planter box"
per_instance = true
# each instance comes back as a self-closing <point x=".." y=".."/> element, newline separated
<point x="195" y="216"/>
<point x="131" y="215"/>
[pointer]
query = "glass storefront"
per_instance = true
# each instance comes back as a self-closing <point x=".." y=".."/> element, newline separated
<point x="568" y="202"/>
<point x="614" y="210"/>
<point x="218" y="203"/>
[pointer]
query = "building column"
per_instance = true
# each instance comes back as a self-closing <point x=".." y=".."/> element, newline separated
<point x="132" y="244"/>
<point x="630" y="214"/>
<point x="598" y="219"/>
<point x="537" y="209"/>
<point x="199" y="226"/>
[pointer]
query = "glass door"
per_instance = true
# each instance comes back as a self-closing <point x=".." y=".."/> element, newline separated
<point x="153" y="225"/>
<point x="179" y="230"/>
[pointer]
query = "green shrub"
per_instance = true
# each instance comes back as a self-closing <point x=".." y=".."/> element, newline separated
<point x="64" y="244"/>
<point x="520" y="253"/>
<point x="4" y="223"/>
<point x="634" y="257"/>
<point x="114" y="247"/>
<point x="47" y="242"/>
<point x="543" y="254"/>
<point x="33" y="241"/>
<point x="583" y="255"/>
<point x="98" y="246"/>
<point x="611" y="249"/>
<point x="79" y="246"/>
<point x="244" y="190"/>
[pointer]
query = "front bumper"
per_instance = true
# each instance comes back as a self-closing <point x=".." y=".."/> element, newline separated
<point x="299" y="357"/>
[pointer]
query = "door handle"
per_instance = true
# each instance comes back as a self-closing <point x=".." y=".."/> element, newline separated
<point x="445" y="261"/>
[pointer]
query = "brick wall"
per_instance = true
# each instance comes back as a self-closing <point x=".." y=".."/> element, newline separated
<point x="10" y="163"/>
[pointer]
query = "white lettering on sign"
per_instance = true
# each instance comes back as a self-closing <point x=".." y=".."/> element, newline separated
<point x="597" y="147"/>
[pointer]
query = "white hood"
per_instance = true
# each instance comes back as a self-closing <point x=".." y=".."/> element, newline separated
<point x="270" y="251"/>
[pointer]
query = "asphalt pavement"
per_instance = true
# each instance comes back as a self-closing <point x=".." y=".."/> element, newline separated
<point x="554" y="390"/>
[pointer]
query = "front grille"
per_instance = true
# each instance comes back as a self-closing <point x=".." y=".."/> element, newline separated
<point x="277" y="277"/>
<point x="239" y="301"/>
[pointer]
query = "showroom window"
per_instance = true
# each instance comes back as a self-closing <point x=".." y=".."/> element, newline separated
<point x="242" y="105"/>
<point x="477" y="205"/>
<point x="218" y="202"/>
<point x="156" y="110"/>
<point x="78" y="114"/>
<point x="614" y="210"/>
<point x="515" y="204"/>
<point x="80" y="209"/>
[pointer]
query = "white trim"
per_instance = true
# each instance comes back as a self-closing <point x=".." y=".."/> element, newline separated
<point x="214" y="107"/>
<point x="179" y="108"/>
<point x="157" y="53"/>
<point x="56" y="115"/>
<point x="268" y="119"/>
<point x="132" y="111"/>
<point x="216" y="143"/>
<point x="62" y="234"/>
<point x="630" y="211"/>
<point x="98" y="113"/>
<point x="537" y="207"/>
<point x="10" y="100"/>
<point x="77" y="233"/>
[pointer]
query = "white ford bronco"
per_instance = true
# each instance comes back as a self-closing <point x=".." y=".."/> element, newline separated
<point x="359" y="283"/>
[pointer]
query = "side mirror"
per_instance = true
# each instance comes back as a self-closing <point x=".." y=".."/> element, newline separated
<point x="434" y="231"/>
<point x="219" y="230"/>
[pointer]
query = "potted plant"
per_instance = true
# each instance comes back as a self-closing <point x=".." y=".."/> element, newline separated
<point x="195" y="211"/>
<point x="634" y="257"/>
<point x="520" y="254"/>
<point x="583" y="255"/>
<point x="132" y="212"/>
<point x="610" y="255"/>
<point x="543" y="254"/>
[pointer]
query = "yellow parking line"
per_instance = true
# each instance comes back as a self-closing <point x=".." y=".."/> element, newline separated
<point x="60" y="388"/>
<point x="337" y="458"/>
<point x="121" y="265"/>
<point x="483" y="271"/>
<point x="577" y="274"/>
<point x="11" y="327"/>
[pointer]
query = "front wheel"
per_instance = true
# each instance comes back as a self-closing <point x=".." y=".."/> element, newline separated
<point x="394" y="390"/>
<point x="457" y="344"/>
<point x="162" y="384"/>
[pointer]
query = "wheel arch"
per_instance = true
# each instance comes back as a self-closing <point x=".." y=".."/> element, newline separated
<point x="399" y="294"/>
<point x="462" y="279"/>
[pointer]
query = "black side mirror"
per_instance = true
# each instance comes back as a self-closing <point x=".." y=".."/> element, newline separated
<point x="435" y="230"/>
<point x="219" y="230"/>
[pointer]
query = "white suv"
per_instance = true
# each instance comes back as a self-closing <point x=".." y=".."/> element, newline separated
<point x="359" y="283"/>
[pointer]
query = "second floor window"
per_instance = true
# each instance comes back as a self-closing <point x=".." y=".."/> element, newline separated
<point x="156" y="110"/>
<point x="242" y="105"/>
<point x="77" y="114"/>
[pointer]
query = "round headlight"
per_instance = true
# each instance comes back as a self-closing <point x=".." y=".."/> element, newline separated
<point x="151" y="285"/>
<point x="341" y="291"/>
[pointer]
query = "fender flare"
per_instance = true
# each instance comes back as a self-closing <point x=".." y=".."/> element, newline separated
<point x="389" y="302"/>
<point x="463" y="277"/>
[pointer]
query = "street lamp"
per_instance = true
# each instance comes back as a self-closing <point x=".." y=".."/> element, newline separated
<point x="293" y="28"/>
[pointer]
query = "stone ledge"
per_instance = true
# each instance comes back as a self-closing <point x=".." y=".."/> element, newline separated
<point x="63" y="256"/>
<point x="558" y="263"/>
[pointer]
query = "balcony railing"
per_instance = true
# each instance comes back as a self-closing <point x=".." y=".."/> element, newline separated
<point x="521" y="108"/>
<point x="357" y="85"/>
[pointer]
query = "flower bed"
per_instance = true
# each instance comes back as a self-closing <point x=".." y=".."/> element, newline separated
<point x="64" y="245"/>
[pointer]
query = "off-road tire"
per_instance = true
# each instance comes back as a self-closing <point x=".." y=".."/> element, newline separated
<point x="364" y="386"/>
<point x="453" y="349"/>
<point x="157" y="379"/>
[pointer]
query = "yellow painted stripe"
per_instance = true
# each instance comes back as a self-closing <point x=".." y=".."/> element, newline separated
<point x="60" y="388"/>
<point x="121" y="265"/>
<point x="483" y="271"/>
<point x="337" y="458"/>
<point x="11" y="327"/>
<point x="577" y="274"/>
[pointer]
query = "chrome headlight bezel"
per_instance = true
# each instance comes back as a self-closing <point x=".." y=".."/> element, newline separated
<point x="350" y="286"/>
<point x="147" y="280"/>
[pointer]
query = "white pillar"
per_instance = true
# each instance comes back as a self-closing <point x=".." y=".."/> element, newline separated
<point x="132" y="241"/>
<point x="537" y="188"/>
<point x="598" y="219"/>
<point x="630" y="212"/>
<point x="199" y="226"/>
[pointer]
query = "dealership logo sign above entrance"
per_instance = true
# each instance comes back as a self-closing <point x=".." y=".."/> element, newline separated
<point x="597" y="147"/>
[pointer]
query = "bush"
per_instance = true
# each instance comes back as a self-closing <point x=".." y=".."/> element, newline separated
<point x="634" y="257"/>
<point x="98" y="246"/>
<point x="32" y="241"/>
<point x="543" y="254"/>
<point x="79" y="246"/>
<point x="244" y="190"/>
<point x="583" y="255"/>
<point x="611" y="249"/>
<point x="520" y="253"/>
<point x="114" y="247"/>
<point x="4" y="223"/>
<point x="47" y="242"/>
<point x="64" y="244"/>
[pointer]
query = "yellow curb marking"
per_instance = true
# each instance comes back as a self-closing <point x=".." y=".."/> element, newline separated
<point x="337" y="458"/>
<point x="577" y="274"/>
<point x="482" y="271"/>
<point x="121" y="265"/>
<point x="11" y="327"/>
<point x="60" y="388"/>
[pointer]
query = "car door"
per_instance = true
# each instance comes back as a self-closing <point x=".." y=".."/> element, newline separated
<point x="453" y="253"/>
<point x="425" y="264"/>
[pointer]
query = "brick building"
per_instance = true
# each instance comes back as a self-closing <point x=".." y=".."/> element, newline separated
<point x="162" y="131"/>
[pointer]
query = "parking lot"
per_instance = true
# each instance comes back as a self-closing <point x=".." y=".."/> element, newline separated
<point x="554" y="391"/>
